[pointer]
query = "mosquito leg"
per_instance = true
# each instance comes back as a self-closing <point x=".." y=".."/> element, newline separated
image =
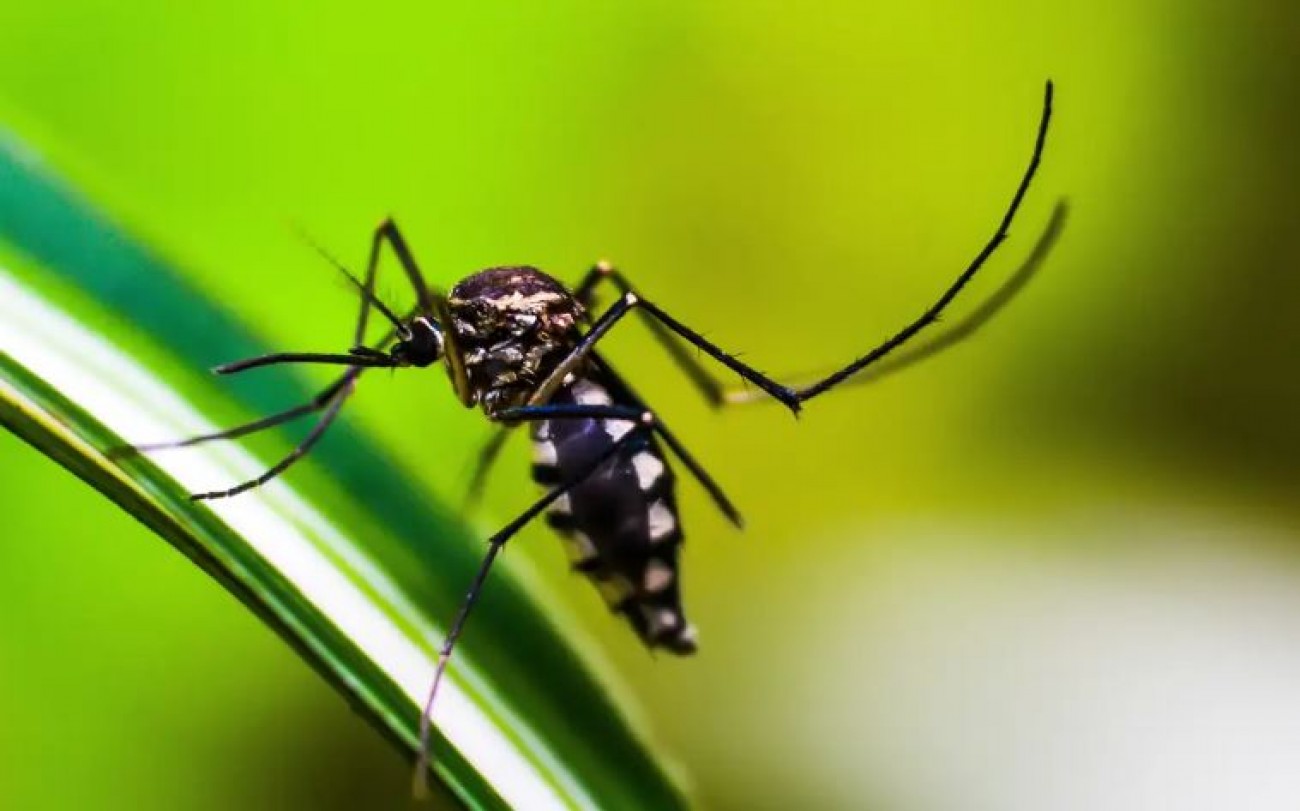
<point x="630" y="301"/>
<point x="432" y="302"/>
<point x="487" y="456"/>
<point x="958" y="332"/>
<point x="932" y="314"/>
<point x="793" y="398"/>
<point x="574" y="411"/>
<point x="717" y="395"/>
<point x="388" y="232"/>
<point x="645" y="422"/>
<point x="318" y="402"/>
<point x="708" y="387"/>
<point x="321" y="400"/>
<point x="330" y="398"/>
<point x="624" y="393"/>
<point x="367" y="291"/>
<point x="317" y="431"/>
<point x="789" y="397"/>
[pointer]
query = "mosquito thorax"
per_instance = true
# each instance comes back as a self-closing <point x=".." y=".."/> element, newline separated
<point x="420" y="344"/>
<point x="513" y="325"/>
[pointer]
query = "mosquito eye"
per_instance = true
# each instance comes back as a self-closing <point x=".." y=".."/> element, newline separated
<point x="423" y="346"/>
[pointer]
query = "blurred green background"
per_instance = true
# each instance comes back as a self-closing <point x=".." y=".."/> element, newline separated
<point x="1055" y="568"/>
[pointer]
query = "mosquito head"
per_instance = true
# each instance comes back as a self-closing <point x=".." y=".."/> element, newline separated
<point x="420" y="344"/>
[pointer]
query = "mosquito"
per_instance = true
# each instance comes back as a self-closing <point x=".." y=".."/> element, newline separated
<point x="522" y="347"/>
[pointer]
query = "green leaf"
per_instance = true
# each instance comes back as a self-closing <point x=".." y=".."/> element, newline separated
<point x="360" y="582"/>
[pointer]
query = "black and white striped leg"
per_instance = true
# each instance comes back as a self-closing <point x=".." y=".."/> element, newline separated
<point x="644" y="422"/>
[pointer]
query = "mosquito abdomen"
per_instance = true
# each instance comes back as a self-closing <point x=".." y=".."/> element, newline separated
<point x="620" y="526"/>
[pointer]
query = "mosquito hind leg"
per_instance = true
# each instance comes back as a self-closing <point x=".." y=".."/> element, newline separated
<point x="709" y="388"/>
<point x="957" y="332"/>
<point x="719" y="395"/>
<point x="793" y="398"/>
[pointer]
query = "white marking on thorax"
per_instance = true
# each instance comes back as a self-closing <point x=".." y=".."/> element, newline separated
<point x="649" y="468"/>
<point x="516" y="300"/>
<point x="662" y="521"/>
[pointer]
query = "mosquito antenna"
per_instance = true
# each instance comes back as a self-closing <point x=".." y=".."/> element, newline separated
<point x="366" y="292"/>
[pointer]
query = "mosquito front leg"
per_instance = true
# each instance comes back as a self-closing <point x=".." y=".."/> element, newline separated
<point x="317" y="431"/>
<point x="321" y="400"/>
<point x="432" y="302"/>
<point x="330" y="399"/>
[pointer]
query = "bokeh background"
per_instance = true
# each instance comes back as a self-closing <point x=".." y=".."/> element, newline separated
<point x="1054" y="568"/>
